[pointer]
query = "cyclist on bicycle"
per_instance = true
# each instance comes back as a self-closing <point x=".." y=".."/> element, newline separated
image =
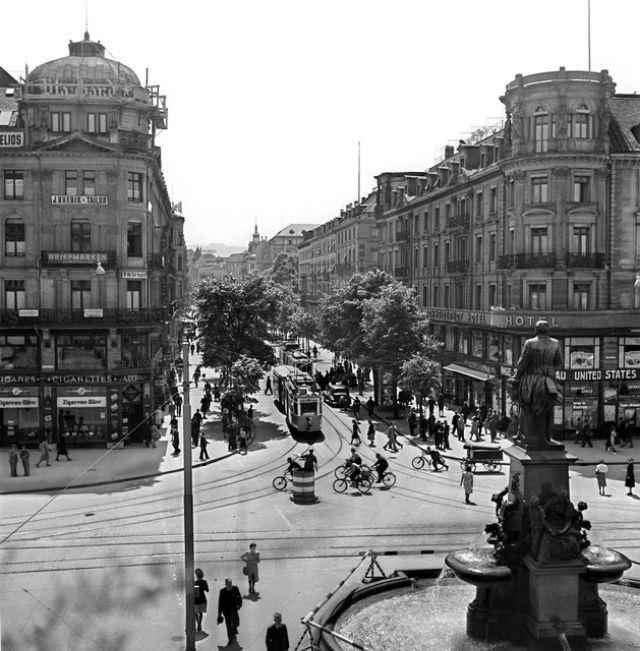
<point x="353" y="465"/>
<point x="381" y="465"/>
<point x="436" y="459"/>
<point x="293" y="465"/>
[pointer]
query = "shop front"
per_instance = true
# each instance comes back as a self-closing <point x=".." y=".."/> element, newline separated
<point x="19" y="415"/>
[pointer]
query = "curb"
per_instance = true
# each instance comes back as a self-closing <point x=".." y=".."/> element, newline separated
<point x="52" y="489"/>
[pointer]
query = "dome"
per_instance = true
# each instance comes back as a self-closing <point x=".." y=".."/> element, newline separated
<point x="86" y="61"/>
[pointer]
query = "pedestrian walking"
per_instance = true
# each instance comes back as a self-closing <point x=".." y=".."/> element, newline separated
<point x="412" y="421"/>
<point x="177" y="401"/>
<point x="630" y="477"/>
<point x="196" y="377"/>
<point x="371" y="434"/>
<point x="25" y="457"/>
<point x="624" y="434"/>
<point x="436" y="459"/>
<point x="175" y="437"/>
<point x="610" y="441"/>
<point x="155" y="435"/>
<point x="251" y="560"/>
<point x="392" y="439"/>
<point x="200" y="588"/>
<point x="267" y="389"/>
<point x="44" y="453"/>
<point x="466" y="481"/>
<point x="277" y="638"/>
<point x="370" y="405"/>
<point x="586" y="434"/>
<point x="356" y="407"/>
<point x="13" y="460"/>
<point x="203" y="447"/>
<point x="601" y="476"/>
<point x="441" y="405"/>
<point x="242" y="440"/>
<point x="355" y="432"/>
<point x="61" y="447"/>
<point x="192" y="348"/>
<point x="310" y="460"/>
<point x="460" y="426"/>
<point x="229" y="603"/>
<point x="474" y="433"/>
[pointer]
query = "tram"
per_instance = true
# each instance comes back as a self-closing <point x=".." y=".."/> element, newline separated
<point x="299" y="397"/>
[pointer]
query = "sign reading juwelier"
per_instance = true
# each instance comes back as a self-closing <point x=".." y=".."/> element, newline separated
<point x="79" y="200"/>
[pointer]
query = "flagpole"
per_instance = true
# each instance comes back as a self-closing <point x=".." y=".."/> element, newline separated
<point x="589" y="32"/>
<point x="358" y="197"/>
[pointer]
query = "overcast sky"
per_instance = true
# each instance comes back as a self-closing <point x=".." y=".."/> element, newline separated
<point x="269" y="98"/>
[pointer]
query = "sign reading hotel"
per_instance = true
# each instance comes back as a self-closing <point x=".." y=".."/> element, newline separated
<point x="79" y="199"/>
<point x="11" y="139"/>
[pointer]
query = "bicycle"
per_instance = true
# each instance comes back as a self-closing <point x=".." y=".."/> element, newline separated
<point x="363" y="484"/>
<point x="341" y="471"/>
<point x="421" y="461"/>
<point x="281" y="482"/>
<point x="389" y="478"/>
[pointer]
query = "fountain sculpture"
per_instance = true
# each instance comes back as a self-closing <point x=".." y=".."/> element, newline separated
<point x="539" y="585"/>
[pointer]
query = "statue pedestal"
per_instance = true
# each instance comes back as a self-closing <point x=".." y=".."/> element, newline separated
<point x="553" y="604"/>
<point x="537" y="467"/>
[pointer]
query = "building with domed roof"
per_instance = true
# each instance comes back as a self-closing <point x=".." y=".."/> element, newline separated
<point x="93" y="261"/>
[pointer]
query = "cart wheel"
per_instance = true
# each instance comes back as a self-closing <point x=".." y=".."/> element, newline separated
<point x="340" y="485"/>
<point x="280" y="483"/>
<point x="364" y="484"/>
<point x="339" y="472"/>
<point x="389" y="479"/>
<point x="418" y="463"/>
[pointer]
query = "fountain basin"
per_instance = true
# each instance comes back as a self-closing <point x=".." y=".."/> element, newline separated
<point x="477" y="566"/>
<point x="604" y="565"/>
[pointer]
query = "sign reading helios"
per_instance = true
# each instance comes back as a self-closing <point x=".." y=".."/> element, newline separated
<point x="11" y="139"/>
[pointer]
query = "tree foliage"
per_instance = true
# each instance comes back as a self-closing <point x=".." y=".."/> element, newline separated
<point x="285" y="271"/>
<point x="246" y="374"/>
<point x="304" y="324"/>
<point x="420" y="375"/>
<point x="234" y="318"/>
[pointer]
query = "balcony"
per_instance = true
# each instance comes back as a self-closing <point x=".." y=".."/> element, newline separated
<point x="585" y="260"/>
<point x="343" y="269"/>
<point x="458" y="266"/>
<point x="97" y="316"/>
<point x="527" y="261"/>
<point x="402" y="272"/>
<point x="403" y="236"/>
<point x="458" y="220"/>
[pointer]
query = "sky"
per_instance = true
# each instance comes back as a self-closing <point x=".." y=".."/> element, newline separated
<point x="268" y="99"/>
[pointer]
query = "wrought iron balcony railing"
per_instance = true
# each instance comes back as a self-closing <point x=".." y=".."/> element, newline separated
<point x="585" y="260"/>
<point x="85" y="316"/>
<point x="458" y="266"/>
<point x="527" y="261"/>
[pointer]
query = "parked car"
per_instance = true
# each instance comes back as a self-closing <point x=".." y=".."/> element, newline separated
<point x="337" y="395"/>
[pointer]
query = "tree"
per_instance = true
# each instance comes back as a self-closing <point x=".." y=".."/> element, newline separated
<point x="246" y="374"/>
<point x="285" y="271"/>
<point x="420" y="375"/>
<point x="304" y="324"/>
<point x="234" y="318"/>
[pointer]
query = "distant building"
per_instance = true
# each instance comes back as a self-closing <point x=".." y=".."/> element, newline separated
<point x="93" y="262"/>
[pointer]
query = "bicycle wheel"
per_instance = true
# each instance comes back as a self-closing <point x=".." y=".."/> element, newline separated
<point x="339" y="472"/>
<point x="340" y="485"/>
<point x="418" y="462"/>
<point x="279" y="483"/>
<point x="364" y="484"/>
<point x="389" y="479"/>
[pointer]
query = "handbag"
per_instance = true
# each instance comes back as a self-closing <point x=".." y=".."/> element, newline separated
<point x="245" y="570"/>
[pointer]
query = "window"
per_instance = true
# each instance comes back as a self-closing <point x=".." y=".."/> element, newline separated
<point x="71" y="182"/>
<point x="479" y="204"/>
<point x="581" y="188"/>
<point x="446" y="296"/>
<point x="436" y="256"/>
<point x="539" y="189"/>
<point x="13" y="184"/>
<point x="436" y="296"/>
<point x="80" y="236"/>
<point x="492" y="247"/>
<point x="580" y="123"/>
<point x="582" y="352"/>
<point x="460" y="295"/>
<point x="89" y="182"/>
<point x="539" y="239"/>
<point x="425" y="225"/>
<point x="581" y="240"/>
<point x="447" y="252"/>
<point x="134" y="294"/>
<point x="81" y="351"/>
<point x="541" y="132"/>
<point x="478" y="297"/>
<point x="14" y="243"/>
<point x="538" y="296"/>
<point x="80" y="294"/>
<point x="19" y="351"/>
<point x="14" y="294"/>
<point x="134" y="350"/>
<point x="581" y="296"/>
<point x="512" y="193"/>
<point x="61" y="122"/>
<point x="492" y="295"/>
<point x="493" y="200"/>
<point x="424" y="295"/>
<point x="447" y="210"/>
<point x="97" y="122"/>
<point x="509" y="296"/>
<point x="134" y="240"/>
<point x="436" y="218"/>
<point x="425" y="251"/>
<point x="134" y="186"/>
<point x="478" y="248"/>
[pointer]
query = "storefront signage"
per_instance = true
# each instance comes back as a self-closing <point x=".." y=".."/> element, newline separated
<point x="10" y="139"/>
<point x="598" y="374"/>
<point x="93" y="312"/>
<point x="18" y="403"/>
<point x="69" y="379"/>
<point x="458" y="316"/>
<point x="81" y="401"/>
<point x="71" y="258"/>
<point x="30" y="313"/>
<point x="79" y="199"/>
<point x="133" y="275"/>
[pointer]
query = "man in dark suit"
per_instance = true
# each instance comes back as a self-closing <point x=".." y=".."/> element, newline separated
<point x="229" y="603"/>
<point x="277" y="638"/>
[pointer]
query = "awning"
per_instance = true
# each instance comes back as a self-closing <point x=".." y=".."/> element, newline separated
<point x="471" y="372"/>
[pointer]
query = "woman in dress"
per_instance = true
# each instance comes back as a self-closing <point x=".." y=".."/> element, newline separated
<point x="630" y="477"/>
<point x="200" y="587"/>
<point x="251" y="560"/>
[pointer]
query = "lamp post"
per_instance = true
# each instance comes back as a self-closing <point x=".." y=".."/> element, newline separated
<point x="190" y="618"/>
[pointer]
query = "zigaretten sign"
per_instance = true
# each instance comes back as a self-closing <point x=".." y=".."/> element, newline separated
<point x="515" y="319"/>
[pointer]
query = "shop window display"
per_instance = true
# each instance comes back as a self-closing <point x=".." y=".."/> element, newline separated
<point x="77" y="352"/>
<point x="18" y="351"/>
<point x="582" y="353"/>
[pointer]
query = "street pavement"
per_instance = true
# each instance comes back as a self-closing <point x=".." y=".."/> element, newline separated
<point x="132" y="521"/>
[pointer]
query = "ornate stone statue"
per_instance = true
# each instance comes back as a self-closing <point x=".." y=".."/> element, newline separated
<point x="535" y="387"/>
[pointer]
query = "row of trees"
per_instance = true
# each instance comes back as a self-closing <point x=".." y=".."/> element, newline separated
<point x="372" y="320"/>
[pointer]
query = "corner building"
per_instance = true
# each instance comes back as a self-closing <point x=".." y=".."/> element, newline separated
<point x="92" y="265"/>
<point x="536" y="218"/>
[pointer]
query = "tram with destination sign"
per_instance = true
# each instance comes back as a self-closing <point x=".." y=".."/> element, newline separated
<point x="298" y="396"/>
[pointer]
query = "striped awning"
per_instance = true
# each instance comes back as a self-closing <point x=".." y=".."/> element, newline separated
<point x="470" y="372"/>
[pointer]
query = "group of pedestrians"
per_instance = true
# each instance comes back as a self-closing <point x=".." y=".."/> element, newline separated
<point x="230" y="602"/>
<point x="22" y="456"/>
<point x="602" y="470"/>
